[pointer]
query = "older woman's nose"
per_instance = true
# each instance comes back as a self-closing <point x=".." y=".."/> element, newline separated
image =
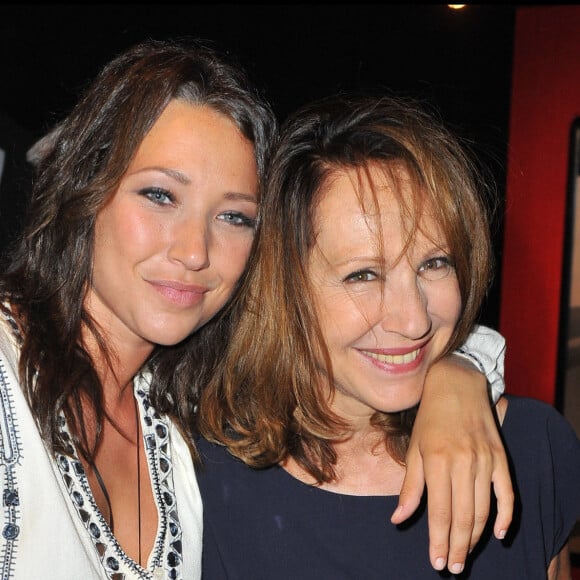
<point x="405" y="309"/>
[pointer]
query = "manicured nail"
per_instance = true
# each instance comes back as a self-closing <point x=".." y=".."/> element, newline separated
<point x="439" y="563"/>
<point x="456" y="568"/>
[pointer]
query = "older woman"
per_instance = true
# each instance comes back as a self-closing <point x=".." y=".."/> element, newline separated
<point x="373" y="258"/>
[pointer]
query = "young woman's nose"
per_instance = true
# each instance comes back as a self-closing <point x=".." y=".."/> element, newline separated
<point x="405" y="309"/>
<point x="190" y="244"/>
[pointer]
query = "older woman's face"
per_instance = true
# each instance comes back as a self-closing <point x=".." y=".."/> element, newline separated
<point x="385" y="328"/>
<point x="174" y="239"/>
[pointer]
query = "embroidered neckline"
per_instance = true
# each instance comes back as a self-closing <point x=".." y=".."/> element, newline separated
<point x="167" y="550"/>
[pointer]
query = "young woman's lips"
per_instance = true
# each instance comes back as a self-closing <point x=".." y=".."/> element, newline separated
<point x="179" y="294"/>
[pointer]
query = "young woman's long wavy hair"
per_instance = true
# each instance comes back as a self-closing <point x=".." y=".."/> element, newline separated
<point x="78" y="168"/>
<point x="265" y="400"/>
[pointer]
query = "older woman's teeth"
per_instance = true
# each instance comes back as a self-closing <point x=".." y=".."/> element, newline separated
<point x="394" y="359"/>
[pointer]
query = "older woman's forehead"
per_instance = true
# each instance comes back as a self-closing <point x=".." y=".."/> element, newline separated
<point x="370" y="203"/>
<point x="372" y="186"/>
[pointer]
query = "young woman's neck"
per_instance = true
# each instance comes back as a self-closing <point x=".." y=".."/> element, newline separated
<point x="118" y="366"/>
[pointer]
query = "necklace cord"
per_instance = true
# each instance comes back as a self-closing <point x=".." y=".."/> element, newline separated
<point x="138" y="425"/>
<point x="103" y="487"/>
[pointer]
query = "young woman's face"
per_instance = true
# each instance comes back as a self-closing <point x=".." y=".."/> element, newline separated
<point x="383" y="329"/>
<point x="174" y="239"/>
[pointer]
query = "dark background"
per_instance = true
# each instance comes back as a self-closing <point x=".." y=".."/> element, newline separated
<point x="459" y="62"/>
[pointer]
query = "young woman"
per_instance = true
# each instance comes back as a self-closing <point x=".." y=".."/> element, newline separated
<point x="372" y="260"/>
<point x="141" y="221"/>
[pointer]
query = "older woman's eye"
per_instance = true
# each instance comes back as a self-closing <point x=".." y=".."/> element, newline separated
<point x="361" y="276"/>
<point x="436" y="268"/>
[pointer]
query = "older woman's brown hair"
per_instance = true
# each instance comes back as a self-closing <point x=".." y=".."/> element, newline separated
<point x="265" y="401"/>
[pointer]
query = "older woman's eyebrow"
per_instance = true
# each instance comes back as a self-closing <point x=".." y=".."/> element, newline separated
<point x="362" y="258"/>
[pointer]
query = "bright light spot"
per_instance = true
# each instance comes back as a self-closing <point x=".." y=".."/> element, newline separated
<point x="456" y="6"/>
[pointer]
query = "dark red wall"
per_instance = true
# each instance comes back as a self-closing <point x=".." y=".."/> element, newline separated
<point x="545" y="100"/>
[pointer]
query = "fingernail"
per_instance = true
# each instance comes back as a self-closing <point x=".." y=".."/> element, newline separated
<point x="456" y="568"/>
<point x="439" y="563"/>
<point x="398" y="511"/>
<point x="501" y="534"/>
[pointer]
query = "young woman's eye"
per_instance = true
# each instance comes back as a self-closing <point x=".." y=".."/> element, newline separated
<point x="436" y="268"/>
<point x="361" y="276"/>
<point x="157" y="195"/>
<point x="237" y="218"/>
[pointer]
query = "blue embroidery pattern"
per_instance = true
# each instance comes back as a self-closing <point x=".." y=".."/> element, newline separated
<point x="10" y="453"/>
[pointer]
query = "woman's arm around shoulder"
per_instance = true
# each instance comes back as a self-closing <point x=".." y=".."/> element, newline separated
<point x="458" y="464"/>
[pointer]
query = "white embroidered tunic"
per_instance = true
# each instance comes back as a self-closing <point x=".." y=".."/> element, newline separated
<point x="50" y="526"/>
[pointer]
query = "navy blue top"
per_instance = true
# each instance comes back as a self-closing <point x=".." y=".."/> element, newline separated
<point x="265" y="524"/>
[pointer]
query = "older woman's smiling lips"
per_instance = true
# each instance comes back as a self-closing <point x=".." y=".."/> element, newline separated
<point x="398" y="360"/>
